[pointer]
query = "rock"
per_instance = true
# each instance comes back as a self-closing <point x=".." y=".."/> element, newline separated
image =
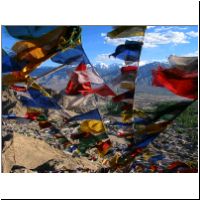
<point x="20" y="169"/>
<point x="10" y="103"/>
<point x="33" y="153"/>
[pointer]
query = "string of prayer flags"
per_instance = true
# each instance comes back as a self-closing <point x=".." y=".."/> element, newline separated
<point x="35" y="51"/>
<point x="10" y="116"/>
<point x="91" y="131"/>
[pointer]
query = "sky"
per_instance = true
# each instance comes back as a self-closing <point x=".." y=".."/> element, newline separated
<point x="159" y="43"/>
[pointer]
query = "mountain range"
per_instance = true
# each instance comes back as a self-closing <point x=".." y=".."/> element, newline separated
<point x="58" y="80"/>
<point x="107" y="72"/>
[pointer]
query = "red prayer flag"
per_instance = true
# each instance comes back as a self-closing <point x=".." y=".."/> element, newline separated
<point x="127" y="107"/>
<point x="74" y="87"/>
<point x="193" y="170"/>
<point x="136" y="152"/>
<point x="178" y="81"/>
<point x="19" y="88"/>
<point x="32" y="115"/>
<point x="44" y="124"/>
<point x="102" y="91"/>
<point x="103" y="147"/>
<point x="177" y="164"/>
<point x="127" y="69"/>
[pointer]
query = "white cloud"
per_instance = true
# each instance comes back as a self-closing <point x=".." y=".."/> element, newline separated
<point x="192" y="34"/>
<point x="144" y="62"/>
<point x="166" y="28"/>
<point x="103" y="58"/>
<point x="191" y="54"/>
<point x="150" y="27"/>
<point x="181" y="27"/>
<point x="102" y="65"/>
<point x="119" y="41"/>
<point x="154" y="39"/>
<point x="103" y="34"/>
<point x="163" y="28"/>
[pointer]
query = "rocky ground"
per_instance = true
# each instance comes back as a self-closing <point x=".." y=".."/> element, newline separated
<point x="173" y="145"/>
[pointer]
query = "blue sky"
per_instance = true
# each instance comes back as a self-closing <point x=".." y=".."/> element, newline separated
<point x="159" y="43"/>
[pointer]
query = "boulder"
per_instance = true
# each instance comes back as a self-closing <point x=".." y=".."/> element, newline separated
<point x="31" y="153"/>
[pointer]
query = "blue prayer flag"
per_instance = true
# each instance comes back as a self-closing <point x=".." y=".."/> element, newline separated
<point x="9" y="64"/>
<point x="39" y="100"/>
<point x="94" y="114"/>
<point x="146" y="141"/>
<point x="29" y="32"/>
<point x="71" y="56"/>
<point x="154" y="159"/>
<point x="130" y="51"/>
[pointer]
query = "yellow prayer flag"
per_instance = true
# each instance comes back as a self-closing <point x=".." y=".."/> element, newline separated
<point x="154" y="128"/>
<point x="126" y="85"/>
<point x="126" y="116"/>
<point x="33" y="84"/>
<point x="127" y="31"/>
<point x="114" y="160"/>
<point x="139" y="113"/>
<point x="14" y="77"/>
<point x="146" y="156"/>
<point x="92" y="126"/>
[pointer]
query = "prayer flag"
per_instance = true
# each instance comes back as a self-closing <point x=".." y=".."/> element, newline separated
<point x="35" y="51"/>
<point x="74" y="87"/>
<point x="185" y="63"/>
<point x="29" y="32"/>
<point x="93" y="114"/>
<point x="92" y="126"/>
<point x="124" y="97"/>
<point x="19" y="88"/>
<point x="126" y="31"/>
<point x="103" y="147"/>
<point x="103" y="90"/>
<point x="178" y="81"/>
<point x="9" y="64"/>
<point x="71" y="56"/>
<point x="130" y="51"/>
